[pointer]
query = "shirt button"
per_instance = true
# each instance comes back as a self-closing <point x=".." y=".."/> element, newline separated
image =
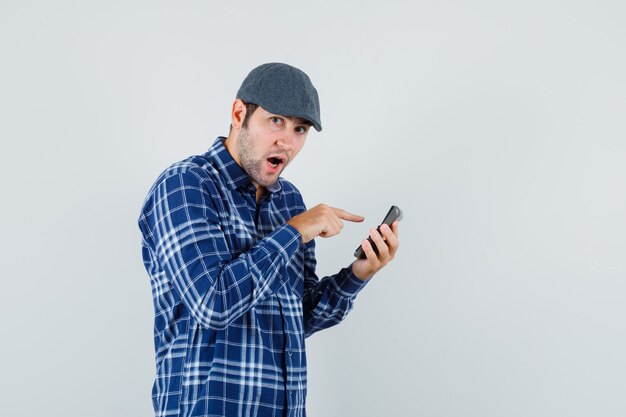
<point x="289" y="352"/>
<point x="290" y="392"/>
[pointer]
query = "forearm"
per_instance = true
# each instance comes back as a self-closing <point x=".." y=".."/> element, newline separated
<point x="217" y="289"/>
<point x="328" y="301"/>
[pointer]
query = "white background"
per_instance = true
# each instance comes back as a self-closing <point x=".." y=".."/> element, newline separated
<point x="497" y="126"/>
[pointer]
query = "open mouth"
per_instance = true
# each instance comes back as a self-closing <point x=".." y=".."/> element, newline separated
<point x="274" y="161"/>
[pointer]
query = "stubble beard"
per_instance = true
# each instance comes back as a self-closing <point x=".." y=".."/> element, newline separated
<point x="253" y="167"/>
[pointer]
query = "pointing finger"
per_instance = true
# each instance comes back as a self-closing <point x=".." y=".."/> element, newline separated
<point x="345" y="215"/>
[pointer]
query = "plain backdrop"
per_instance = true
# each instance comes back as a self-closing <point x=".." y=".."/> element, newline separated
<point x="497" y="126"/>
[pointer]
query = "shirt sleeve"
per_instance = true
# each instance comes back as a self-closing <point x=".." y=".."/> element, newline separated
<point x="326" y="301"/>
<point x="181" y="226"/>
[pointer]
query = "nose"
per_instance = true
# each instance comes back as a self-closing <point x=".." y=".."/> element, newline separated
<point x="285" y="142"/>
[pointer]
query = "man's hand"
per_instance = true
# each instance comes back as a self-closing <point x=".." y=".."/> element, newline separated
<point x="322" y="220"/>
<point x="387" y="244"/>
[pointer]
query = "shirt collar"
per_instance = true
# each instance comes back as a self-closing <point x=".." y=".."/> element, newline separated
<point x="235" y="176"/>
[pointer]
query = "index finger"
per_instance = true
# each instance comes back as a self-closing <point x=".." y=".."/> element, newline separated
<point x="346" y="215"/>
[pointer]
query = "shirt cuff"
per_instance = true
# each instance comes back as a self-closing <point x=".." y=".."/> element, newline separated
<point x="351" y="285"/>
<point x="285" y="241"/>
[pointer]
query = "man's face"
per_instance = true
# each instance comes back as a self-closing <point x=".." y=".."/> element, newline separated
<point x="268" y="144"/>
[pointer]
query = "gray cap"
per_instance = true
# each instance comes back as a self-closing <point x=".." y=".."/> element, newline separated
<point x="284" y="90"/>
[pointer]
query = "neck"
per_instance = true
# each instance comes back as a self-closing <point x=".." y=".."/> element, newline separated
<point x="260" y="192"/>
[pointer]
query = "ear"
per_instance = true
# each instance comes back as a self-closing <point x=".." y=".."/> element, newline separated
<point x="238" y="113"/>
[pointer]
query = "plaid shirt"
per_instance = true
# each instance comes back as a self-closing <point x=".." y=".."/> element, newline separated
<point x="234" y="290"/>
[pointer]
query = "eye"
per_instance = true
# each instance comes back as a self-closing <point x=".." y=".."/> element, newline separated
<point x="302" y="129"/>
<point x="276" y="120"/>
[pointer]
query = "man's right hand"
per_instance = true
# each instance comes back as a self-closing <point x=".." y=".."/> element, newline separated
<point x="322" y="220"/>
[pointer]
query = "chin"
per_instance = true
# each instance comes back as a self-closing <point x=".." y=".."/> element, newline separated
<point x="265" y="182"/>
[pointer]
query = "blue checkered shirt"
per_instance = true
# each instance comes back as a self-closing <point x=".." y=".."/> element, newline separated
<point x="234" y="290"/>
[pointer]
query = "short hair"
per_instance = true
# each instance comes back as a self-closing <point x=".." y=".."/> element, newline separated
<point x="250" y="108"/>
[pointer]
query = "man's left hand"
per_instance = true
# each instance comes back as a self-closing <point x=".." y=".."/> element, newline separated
<point x="387" y="244"/>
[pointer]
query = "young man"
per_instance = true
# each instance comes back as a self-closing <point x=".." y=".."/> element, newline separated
<point x="229" y="248"/>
